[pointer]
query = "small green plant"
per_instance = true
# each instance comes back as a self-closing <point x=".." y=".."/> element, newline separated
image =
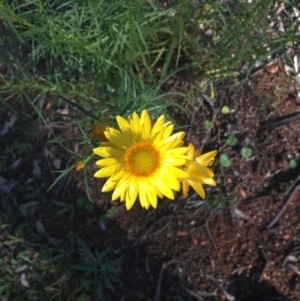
<point x="232" y="140"/>
<point x="30" y="272"/>
<point x="23" y="275"/>
<point x="225" y="110"/>
<point x="292" y="163"/>
<point x="220" y="202"/>
<point x="67" y="208"/>
<point x="224" y="161"/>
<point x="208" y="125"/>
<point x="246" y="152"/>
<point x="95" y="271"/>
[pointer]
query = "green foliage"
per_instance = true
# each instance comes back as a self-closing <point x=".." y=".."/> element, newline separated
<point x="292" y="163"/>
<point x="97" y="272"/>
<point x="104" y="58"/>
<point x="231" y="140"/>
<point x="225" y="110"/>
<point x="246" y="152"/>
<point x="224" y="161"/>
<point x="28" y="272"/>
<point x="101" y="52"/>
<point x="234" y="34"/>
<point x="220" y="202"/>
<point x="208" y="124"/>
<point x="34" y="265"/>
<point x="105" y="54"/>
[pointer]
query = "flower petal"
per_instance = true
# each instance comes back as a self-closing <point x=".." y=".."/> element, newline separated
<point x="198" y="188"/>
<point x="120" y="189"/>
<point x="113" y="180"/>
<point x="158" y="126"/>
<point x="146" y="125"/>
<point x="164" y="189"/>
<point x="106" y="162"/>
<point x="207" y="159"/>
<point x="178" y="173"/>
<point x="210" y="182"/>
<point x="198" y="172"/>
<point x="106" y="171"/>
<point x="185" y="188"/>
<point x="123" y="124"/>
<point x="131" y="195"/>
<point x="102" y="151"/>
<point x="152" y="198"/>
<point x="143" y="196"/>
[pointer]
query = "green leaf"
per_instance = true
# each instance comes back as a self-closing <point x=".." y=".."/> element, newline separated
<point x="231" y="140"/>
<point x="208" y="124"/>
<point x="246" y="152"/>
<point x="225" y="110"/>
<point x="292" y="163"/>
<point x="224" y="160"/>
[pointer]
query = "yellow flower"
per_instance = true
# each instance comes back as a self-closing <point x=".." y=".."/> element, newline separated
<point x="198" y="171"/>
<point x="142" y="160"/>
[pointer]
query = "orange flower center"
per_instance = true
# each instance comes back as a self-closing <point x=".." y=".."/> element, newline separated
<point x="142" y="159"/>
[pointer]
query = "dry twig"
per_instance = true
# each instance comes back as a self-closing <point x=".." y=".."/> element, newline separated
<point x="290" y="193"/>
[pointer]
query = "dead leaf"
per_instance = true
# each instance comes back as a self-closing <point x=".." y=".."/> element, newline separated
<point x="23" y="280"/>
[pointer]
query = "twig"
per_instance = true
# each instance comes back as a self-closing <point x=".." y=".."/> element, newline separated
<point x="209" y="235"/>
<point x="158" y="286"/>
<point x="161" y="229"/>
<point x="282" y="120"/>
<point x="290" y="193"/>
<point x="164" y="266"/>
<point x="267" y="263"/>
<point x="291" y="259"/>
<point x="200" y="296"/>
<point x="293" y="268"/>
<point x="219" y="285"/>
<point x="197" y="296"/>
<point x="240" y="214"/>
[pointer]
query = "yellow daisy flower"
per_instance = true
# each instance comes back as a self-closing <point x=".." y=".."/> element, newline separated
<point x="142" y="160"/>
<point x="198" y="170"/>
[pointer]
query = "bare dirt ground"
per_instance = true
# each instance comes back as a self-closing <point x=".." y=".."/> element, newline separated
<point x="249" y="251"/>
<point x="242" y="243"/>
